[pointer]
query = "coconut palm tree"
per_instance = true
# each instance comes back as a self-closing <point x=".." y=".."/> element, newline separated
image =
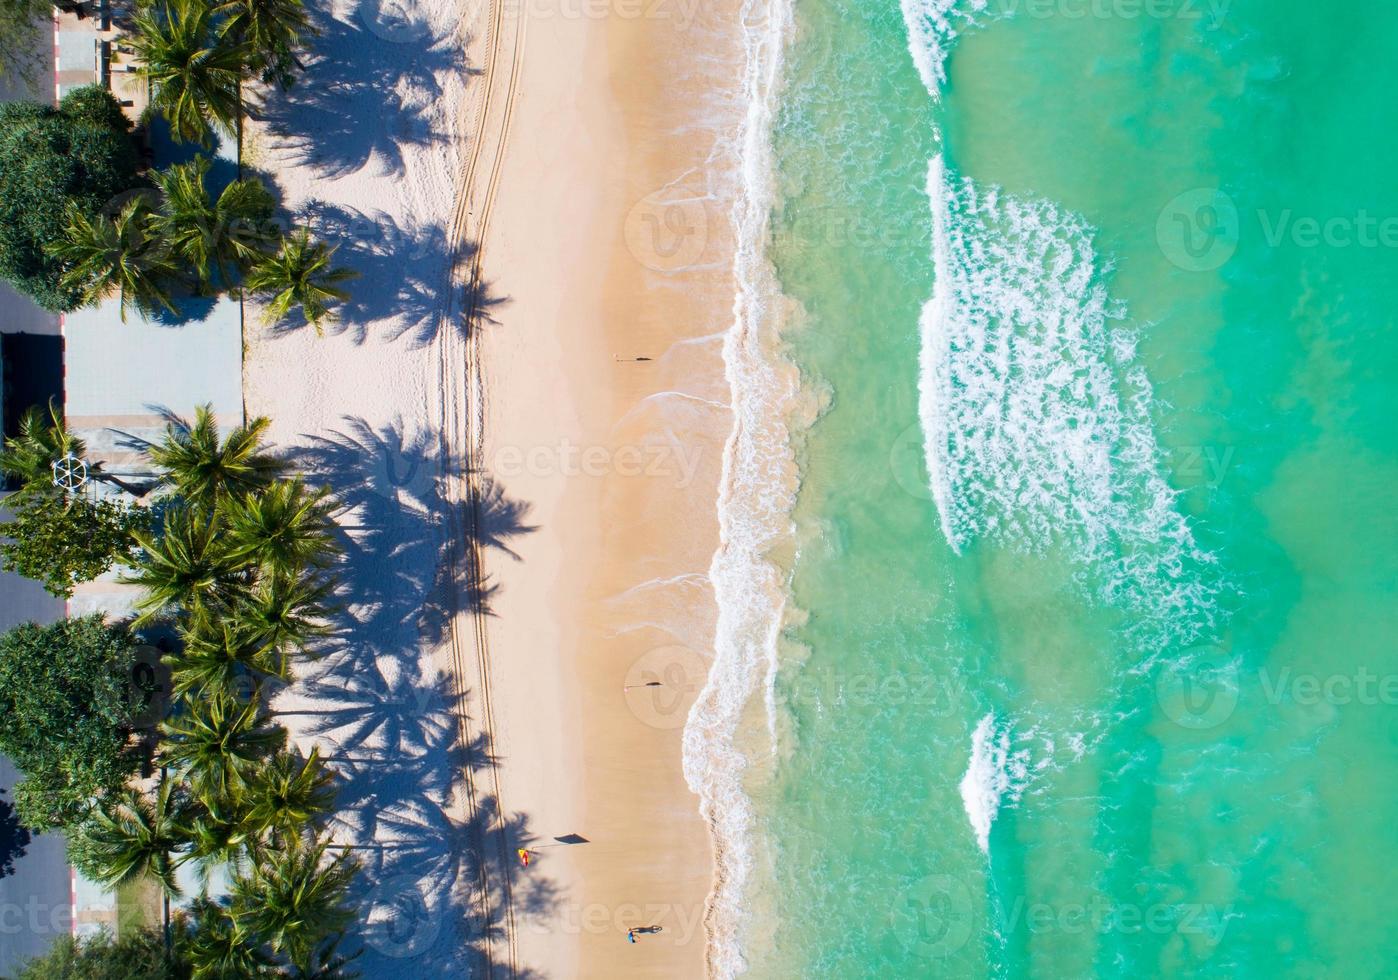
<point x="195" y="74"/>
<point x="288" y="795"/>
<point x="202" y="469"/>
<point x="284" y="530"/>
<point x="43" y="439"/>
<point x="218" y="838"/>
<point x="211" y="236"/>
<point x="185" y="565"/>
<point x="130" y="836"/>
<point x="294" y="899"/>
<point x="287" y="614"/>
<point x="273" y="32"/>
<point x="221" y="658"/>
<point x="119" y="256"/>
<point x="217" y="743"/>
<point x="219" y="948"/>
<point x="300" y="275"/>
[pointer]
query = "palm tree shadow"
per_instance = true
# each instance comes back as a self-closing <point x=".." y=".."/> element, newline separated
<point x="368" y="92"/>
<point x="393" y="725"/>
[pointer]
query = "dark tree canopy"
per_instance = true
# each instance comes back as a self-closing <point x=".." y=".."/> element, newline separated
<point x="80" y="154"/>
<point x="65" y="715"/>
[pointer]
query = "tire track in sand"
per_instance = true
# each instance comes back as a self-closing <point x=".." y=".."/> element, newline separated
<point x="463" y="403"/>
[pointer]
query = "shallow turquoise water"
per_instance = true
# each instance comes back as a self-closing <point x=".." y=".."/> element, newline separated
<point x="1158" y="574"/>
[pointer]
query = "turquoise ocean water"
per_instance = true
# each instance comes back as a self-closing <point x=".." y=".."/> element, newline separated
<point x="1094" y="671"/>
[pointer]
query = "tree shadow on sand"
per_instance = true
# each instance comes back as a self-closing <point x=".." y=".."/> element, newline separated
<point x="405" y="277"/>
<point x="368" y="91"/>
<point x="395" y="727"/>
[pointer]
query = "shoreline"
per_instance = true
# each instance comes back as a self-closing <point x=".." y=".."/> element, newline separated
<point x="604" y="180"/>
<point x="620" y="462"/>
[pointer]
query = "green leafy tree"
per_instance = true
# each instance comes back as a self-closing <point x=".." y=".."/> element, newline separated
<point x="202" y="469"/>
<point x="137" y="955"/>
<point x="296" y="899"/>
<point x="273" y="31"/>
<point x="218" y="743"/>
<point x="284" y="530"/>
<point x="118" y="256"/>
<point x="61" y="540"/>
<point x="301" y="275"/>
<point x="80" y="156"/>
<point x="65" y="715"/>
<point x="194" y="73"/>
<point x="211" y="236"/>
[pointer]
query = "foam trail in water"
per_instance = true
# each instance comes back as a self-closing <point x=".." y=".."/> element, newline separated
<point x="1035" y="415"/>
<point x="756" y="494"/>
<point x="932" y="27"/>
<point x="995" y="776"/>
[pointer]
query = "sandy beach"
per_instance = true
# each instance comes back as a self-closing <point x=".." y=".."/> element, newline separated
<point x="571" y="191"/>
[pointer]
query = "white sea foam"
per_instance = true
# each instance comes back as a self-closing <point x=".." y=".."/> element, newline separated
<point x="1036" y="416"/>
<point x="995" y="777"/>
<point x="755" y="498"/>
<point x="932" y="27"/>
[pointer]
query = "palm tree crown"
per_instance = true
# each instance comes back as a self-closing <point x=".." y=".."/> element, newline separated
<point x="283" y="530"/>
<point x="131" y="837"/>
<point x="43" y="439"/>
<point x="300" y="275"/>
<point x="218" y="743"/>
<point x="288" y="794"/>
<point x="203" y="470"/>
<point x="185" y="565"/>
<point x="294" y="899"/>
<point x="195" y="74"/>
<point x="211" y="236"/>
<point x="273" y="31"/>
<point x="108" y="256"/>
